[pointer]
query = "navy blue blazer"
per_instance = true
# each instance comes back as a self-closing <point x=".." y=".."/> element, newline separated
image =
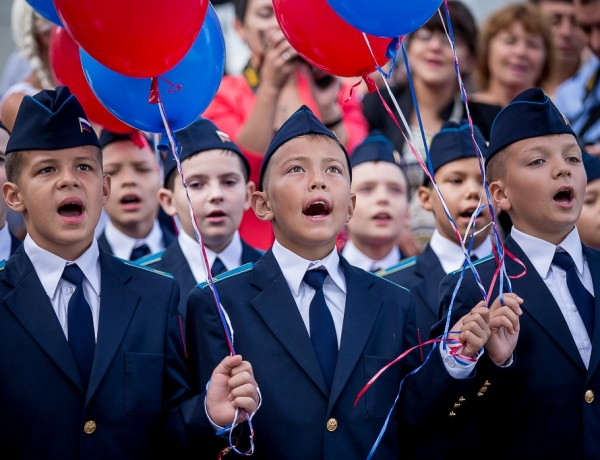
<point x="300" y="418"/>
<point x="421" y="275"/>
<point x="550" y="404"/>
<point x="138" y="381"/>
<point x="172" y="261"/>
<point x="14" y="243"/>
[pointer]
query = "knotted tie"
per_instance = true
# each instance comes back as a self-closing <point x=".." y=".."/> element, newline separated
<point x="80" y="324"/>
<point x="217" y="268"/>
<point x="322" y="328"/>
<point x="584" y="301"/>
<point x="140" y="251"/>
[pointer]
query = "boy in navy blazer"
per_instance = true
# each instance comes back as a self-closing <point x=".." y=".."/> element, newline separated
<point x="216" y="174"/>
<point x="535" y="173"/>
<point x="313" y="347"/>
<point x="457" y="173"/>
<point x="92" y="362"/>
<point x="135" y="225"/>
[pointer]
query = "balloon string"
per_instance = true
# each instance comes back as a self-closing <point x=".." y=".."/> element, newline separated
<point x="226" y="324"/>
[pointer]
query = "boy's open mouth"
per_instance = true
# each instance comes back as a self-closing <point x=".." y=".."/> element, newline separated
<point x="70" y="209"/>
<point x="316" y="209"/>
<point x="564" y="195"/>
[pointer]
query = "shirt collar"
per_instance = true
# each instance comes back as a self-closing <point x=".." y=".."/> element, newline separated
<point x="231" y="256"/>
<point x="359" y="259"/>
<point x="49" y="267"/>
<point x="294" y="267"/>
<point x="541" y="252"/>
<point x="5" y="242"/>
<point x="122" y="244"/>
<point x="450" y="253"/>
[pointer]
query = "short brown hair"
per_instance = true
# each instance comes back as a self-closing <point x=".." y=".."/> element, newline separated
<point x="533" y="21"/>
<point x="495" y="169"/>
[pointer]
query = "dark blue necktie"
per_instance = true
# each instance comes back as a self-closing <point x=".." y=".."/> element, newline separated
<point x="217" y="268"/>
<point x="322" y="328"/>
<point x="584" y="301"/>
<point x="140" y="251"/>
<point x="80" y="324"/>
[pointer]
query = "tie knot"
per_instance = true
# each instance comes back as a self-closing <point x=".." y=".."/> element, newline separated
<point x="73" y="274"/>
<point x="563" y="260"/>
<point x="315" y="278"/>
<point x="140" y="251"/>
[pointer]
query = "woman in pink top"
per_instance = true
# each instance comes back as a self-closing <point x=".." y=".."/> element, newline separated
<point x="276" y="81"/>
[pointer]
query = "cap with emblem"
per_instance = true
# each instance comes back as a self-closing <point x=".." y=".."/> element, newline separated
<point x="453" y="142"/>
<point x="591" y="164"/>
<point x="530" y="114"/>
<point x="202" y="135"/>
<point x="303" y="121"/>
<point x="51" y="120"/>
<point x="375" y="147"/>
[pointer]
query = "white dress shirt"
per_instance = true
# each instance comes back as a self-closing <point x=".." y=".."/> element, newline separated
<point x="541" y="253"/>
<point x="359" y="259"/>
<point x="5" y="242"/>
<point x="294" y="267"/>
<point x="231" y="256"/>
<point x="122" y="245"/>
<point x="450" y="253"/>
<point x="49" y="269"/>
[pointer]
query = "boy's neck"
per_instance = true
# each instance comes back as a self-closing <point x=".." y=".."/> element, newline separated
<point x="215" y="245"/>
<point x="137" y="230"/>
<point x="376" y="251"/>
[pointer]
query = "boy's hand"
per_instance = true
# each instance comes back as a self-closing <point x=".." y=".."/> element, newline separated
<point x="232" y="386"/>
<point x="504" y="325"/>
<point x="474" y="330"/>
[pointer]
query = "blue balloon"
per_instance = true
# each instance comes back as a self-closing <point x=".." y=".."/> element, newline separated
<point x="385" y="18"/>
<point x="46" y="9"/>
<point x="186" y="90"/>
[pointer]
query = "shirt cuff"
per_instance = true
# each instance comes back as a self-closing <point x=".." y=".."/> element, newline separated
<point x="457" y="368"/>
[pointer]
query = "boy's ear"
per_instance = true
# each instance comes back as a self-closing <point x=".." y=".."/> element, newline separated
<point x="105" y="188"/>
<point x="351" y="207"/>
<point x="166" y="201"/>
<point x="250" y="189"/>
<point x="499" y="198"/>
<point x="12" y="196"/>
<point x="262" y="205"/>
<point x="424" y="194"/>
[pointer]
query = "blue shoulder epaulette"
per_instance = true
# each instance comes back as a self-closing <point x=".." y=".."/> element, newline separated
<point x="2" y="264"/>
<point x="228" y="274"/>
<point x="148" y="269"/>
<point x="404" y="263"/>
<point x="477" y="262"/>
<point x="150" y="259"/>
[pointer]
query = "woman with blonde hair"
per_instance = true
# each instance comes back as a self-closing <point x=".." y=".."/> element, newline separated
<point x="31" y="33"/>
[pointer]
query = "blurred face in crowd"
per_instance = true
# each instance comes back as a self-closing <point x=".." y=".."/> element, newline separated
<point x="569" y="39"/>
<point x="516" y="57"/>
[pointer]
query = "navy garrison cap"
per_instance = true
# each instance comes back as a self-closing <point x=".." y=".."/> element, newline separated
<point x="591" y="164"/>
<point x="529" y="114"/>
<point x="202" y="135"/>
<point x="51" y="120"/>
<point x="300" y="123"/>
<point x="375" y="147"/>
<point x="453" y="142"/>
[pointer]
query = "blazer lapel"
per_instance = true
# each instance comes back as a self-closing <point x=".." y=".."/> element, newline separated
<point x="29" y="303"/>
<point x="541" y="305"/>
<point x="277" y="307"/>
<point x="362" y="310"/>
<point x="117" y="305"/>
<point x="430" y="271"/>
<point x="593" y="260"/>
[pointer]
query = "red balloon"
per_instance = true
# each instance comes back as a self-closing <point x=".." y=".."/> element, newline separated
<point x="137" y="38"/>
<point x="66" y="67"/>
<point x="325" y="40"/>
